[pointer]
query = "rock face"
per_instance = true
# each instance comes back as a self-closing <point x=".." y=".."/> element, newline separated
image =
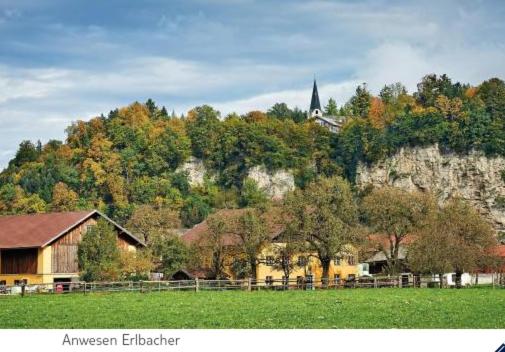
<point x="473" y="177"/>
<point x="195" y="169"/>
<point x="275" y="185"/>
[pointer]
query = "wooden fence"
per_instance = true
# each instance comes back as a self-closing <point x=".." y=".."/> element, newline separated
<point x="401" y="281"/>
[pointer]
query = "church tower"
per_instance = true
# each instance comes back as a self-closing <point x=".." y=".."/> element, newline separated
<point x="315" y="105"/>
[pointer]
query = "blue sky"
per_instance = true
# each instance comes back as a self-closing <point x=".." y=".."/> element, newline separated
<point x="65" y="60"/>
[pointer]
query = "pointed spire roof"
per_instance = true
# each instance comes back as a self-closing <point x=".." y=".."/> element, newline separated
<point x="314" y="103"/>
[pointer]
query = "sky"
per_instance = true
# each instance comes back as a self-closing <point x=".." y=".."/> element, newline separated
<point x="62" y="61"/>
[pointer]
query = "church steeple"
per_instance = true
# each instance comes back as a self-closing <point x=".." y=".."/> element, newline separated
<point x="315" y="105"/>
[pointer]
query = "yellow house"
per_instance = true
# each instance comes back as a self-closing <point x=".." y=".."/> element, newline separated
<point x="42" y="248"/>
<point x="306" y="265"/>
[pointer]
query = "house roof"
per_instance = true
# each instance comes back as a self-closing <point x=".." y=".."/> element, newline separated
<point x="194" y="234"/>
<point x="499" y="250"/>
<point x="40" y="230"/>
<point x="336" y="121"/>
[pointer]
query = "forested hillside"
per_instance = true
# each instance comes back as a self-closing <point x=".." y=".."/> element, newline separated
<point x="131" y="157"/>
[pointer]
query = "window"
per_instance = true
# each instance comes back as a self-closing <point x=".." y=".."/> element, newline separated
<point x="351" y="277"/>
<point x="302" y="261"/>
<point x="351" y="260"/>
<point x="269" y="280"/>
<point x="20" y="282"/>
<point x="269" y="260"/>
<point x="3" y="282"/>
<point x="89" y="227"/>
<point x="337" y="277"/>
<point x="337" y="260"/>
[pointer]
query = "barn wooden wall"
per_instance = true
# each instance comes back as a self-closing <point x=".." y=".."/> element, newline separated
<point x="64" y="250"/>
<point x="19" y="261"/>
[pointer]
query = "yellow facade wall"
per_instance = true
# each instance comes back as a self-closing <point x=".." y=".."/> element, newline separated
<point x="313" y="266"/>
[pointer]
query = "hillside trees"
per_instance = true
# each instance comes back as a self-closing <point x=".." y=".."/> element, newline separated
<point x="131" y="157"/>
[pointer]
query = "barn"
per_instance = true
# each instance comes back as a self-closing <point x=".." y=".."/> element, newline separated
<point x="42" y="248"/>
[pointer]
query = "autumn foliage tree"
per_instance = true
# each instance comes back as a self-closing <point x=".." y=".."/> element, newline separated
<point x="392" y="214"/>
<point x="325" y="216"/>
<point x="64" y="199"/>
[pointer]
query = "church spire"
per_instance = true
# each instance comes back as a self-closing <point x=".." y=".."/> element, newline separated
<point x="315" y="105"/>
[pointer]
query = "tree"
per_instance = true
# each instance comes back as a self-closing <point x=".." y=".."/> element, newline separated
<point x="492" y="93"/>
<point x="432" y="86"/>
<point x="149" y="222"/>
<point x="469" y="238"/>
<point x="331" y="109"/>
<point x="153" y="109"/>
<point x="218" y="227"/>
<point x="195" y="210"/>
<point x="377" y="113"/>
<point x="450" y="108"/>
<point x="428" y="253"/>
<point x="98" y="254"/>
<point x="253" y="234"/>
<point x="27" y="152"/>
<point x="251" y="195"/>
<point x="203" y="129"/>
<point x="280" y="111"/>
<point x="64" y="199"/>
<point x="290" y="245"/>
<point x="390" y="94"/>
<point x="30" y="204"/>
<point x="360" y="102"/>
<point x="325" y="216"/>
<point x="135" y="265"/>
<point x="170" y="253"/>
<point x="393" y="214"/>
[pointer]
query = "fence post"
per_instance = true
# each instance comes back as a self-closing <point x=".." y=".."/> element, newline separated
<point x="492" y="279"/>
<point x="23" y="288"/>
<point x="399" y="281"/>
<point x="84" y="288"/>
<point x="249" y="284"/>
<point x="375" y="282"/>
<point x="141" y="286"/>
<point x="197" y="285"/>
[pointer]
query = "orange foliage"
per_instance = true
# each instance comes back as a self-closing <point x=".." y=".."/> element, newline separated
<point x="376" y="113"/>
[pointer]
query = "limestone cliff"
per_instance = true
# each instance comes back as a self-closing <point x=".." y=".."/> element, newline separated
<point x="274" y="184"/>
<point x="473" y="177"/>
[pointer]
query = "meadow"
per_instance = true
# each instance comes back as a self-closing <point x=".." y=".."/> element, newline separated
<point x="349" y="308"/>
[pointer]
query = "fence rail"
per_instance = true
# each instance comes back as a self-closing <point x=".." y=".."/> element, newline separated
<point x="244" y="285"/>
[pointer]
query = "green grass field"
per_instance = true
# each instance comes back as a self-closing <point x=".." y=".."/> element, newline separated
<point x="358" y="308"/>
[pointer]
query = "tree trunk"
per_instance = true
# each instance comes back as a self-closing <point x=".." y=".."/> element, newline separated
<point x="441" y="279"/>
<point x="286" y="282"/>
<point x="325" y="263"/>
<point x="253" y="271"/>
<point x="458" y="279"/>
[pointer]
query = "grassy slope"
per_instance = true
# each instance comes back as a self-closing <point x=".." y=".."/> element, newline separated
<point x="360" y="308"/>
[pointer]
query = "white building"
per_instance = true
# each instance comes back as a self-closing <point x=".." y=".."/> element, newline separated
<point x="333" y="123"/>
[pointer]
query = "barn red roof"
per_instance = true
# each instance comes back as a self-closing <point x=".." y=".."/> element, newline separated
<point x="229" y="239"/>
<point x="39" y="230"/>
